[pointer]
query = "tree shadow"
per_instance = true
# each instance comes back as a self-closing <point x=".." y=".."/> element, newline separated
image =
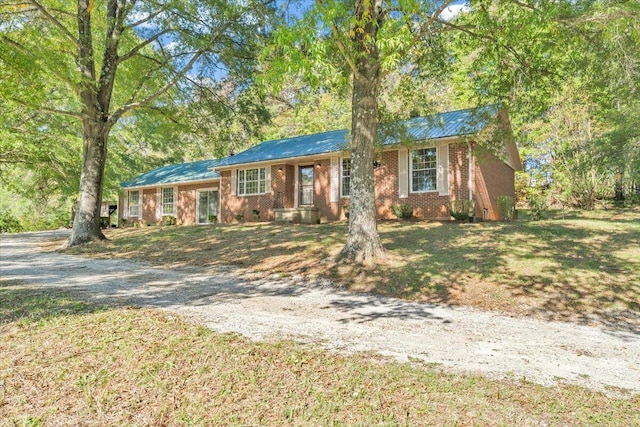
<point x="20" y="303"/>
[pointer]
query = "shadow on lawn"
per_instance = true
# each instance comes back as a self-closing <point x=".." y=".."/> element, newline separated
<point x="20" y="302"/>
<point x="554" y="269"/>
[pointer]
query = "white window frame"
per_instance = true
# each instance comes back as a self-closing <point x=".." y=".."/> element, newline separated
<point x="242" y="181"/>
<point x="173" y="202"/>
<point x="434" y="168"/>
<point x="218" y="208"/>
<point x="132" y="205"/>
<point x="342" y="177"/>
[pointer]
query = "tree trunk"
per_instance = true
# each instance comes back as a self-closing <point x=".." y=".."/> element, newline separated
<point x="86" y="225"/>
<point x="363" y="242"/>
<point x="95" y="97"/>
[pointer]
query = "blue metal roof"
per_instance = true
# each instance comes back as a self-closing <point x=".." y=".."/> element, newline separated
<point x="452" y="123"/>
<point x="173" y="174"/>
<point x="445" y="125"/>
<point x="299" y="146"/>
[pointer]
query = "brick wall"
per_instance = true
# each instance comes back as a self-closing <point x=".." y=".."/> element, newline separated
<point x="322" y="193"/>
<point x="244" y="205"/>
<point x="492" y="178"/>
<point x="149" y="203"/>
<point x="187" y="201"/>
<point x="425" y="205"/>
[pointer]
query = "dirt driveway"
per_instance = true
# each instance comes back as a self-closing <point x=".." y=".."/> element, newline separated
<point x="460" y="339"/>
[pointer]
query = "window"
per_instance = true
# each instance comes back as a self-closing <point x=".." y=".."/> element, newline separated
<point x="424" y="176"/>
<point x="134" y="203"/>
<point x="168" y="201"/>
<point x="252" y="181"/>
<point x="345" y="178"/>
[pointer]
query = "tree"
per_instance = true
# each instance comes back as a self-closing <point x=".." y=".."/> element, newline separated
<point x="97" y="65"/>
<point x="360" y="42"/>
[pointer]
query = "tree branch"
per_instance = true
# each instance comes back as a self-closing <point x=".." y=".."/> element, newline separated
<point x="137" y="48"/>
<point x="433" y="18"/>
<point x="147" y="18"/>
<point x="55" y="21"/>
<point x="341" y="47"/>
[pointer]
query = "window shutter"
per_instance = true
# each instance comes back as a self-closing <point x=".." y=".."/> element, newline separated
<point x="234" y="177"/>
<point x="296" y="188"/>
<point x="334" y="194"/>
<point x="403" y="173"/>
<point x="125" y="206"/>
<point x="175" y="201"/>
<point x="267" y="180"/>
<point x="443" y="170"/>
<point x="159" y="201"/>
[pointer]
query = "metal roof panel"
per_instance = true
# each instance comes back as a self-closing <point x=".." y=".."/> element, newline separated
<point x="174" y="174"/>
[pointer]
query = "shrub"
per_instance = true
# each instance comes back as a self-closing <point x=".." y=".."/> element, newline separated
<point x="168" y="220"/>
<point x="345" y="208"/>
<point x="461" y="210"/>
<point x="213" y="219"/>
<point x="9" y="223"/>
<point x="506" y="207"/>
<point x="402" y="210"/>
<point x="537" y="205"/>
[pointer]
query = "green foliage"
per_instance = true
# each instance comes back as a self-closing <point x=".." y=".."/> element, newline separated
<point x="9" y="223"/>
<point x="402" y="210"/>
<point x="506" y="206"/>
<point x="461" y="210"/>
<point x="168" y="220"/>
<point x="537" y="204"/>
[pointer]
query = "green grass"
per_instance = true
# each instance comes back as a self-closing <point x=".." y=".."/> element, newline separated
<point x="76" y="364"/>
<point x="575" y="266"/>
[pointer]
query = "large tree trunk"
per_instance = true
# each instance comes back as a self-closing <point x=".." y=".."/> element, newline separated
<point x="363" y="242"/>
<point x="86" y="224"/>
<point x="95" y="96"/>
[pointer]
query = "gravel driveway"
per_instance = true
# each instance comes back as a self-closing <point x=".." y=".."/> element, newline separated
<point x="459" y="339"/>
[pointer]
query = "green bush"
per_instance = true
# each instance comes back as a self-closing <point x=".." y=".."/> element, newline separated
<point x="168" y="220"/>
<point x="402" y="210"/>
<point x="9" y="223"/>
<point x="506" y="206"/>
<point x="461" y="210"/>
<point x="537" y="205"/>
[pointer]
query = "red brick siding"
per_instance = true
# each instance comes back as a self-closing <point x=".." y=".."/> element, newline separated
<point x="425" y="205"/>
<point x="149" y="203"/>
<point x="492" y="178"/>
<point x="244" y="205"/>
<point x="187" y="201"/>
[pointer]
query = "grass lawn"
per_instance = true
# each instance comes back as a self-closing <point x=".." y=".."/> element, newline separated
<point x="65" y="362"/>
<point x="580" y="266"/>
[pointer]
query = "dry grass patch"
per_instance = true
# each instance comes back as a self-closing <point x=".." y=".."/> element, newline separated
<point x="74" y="364"/>
<point x="582" y="267"/>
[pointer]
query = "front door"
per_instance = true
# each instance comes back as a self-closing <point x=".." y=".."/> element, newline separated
<point x="306" y="185"/>
<point x="207" y="206"/>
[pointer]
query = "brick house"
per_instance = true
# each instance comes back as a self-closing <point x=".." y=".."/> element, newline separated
<point x="441" y="158"/>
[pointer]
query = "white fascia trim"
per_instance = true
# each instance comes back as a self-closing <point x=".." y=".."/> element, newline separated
<point x="425" y="143"/>
<point x="171" y="184"/>
<point x="275" y="162"/>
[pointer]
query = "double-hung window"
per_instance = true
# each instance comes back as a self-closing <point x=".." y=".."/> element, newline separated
<point x="345" y="178"/>
<point x="424" y="170"/>
<point x="252" y="181"/>
<point x="168" y="201"/>
<point x="134" y="203"/>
